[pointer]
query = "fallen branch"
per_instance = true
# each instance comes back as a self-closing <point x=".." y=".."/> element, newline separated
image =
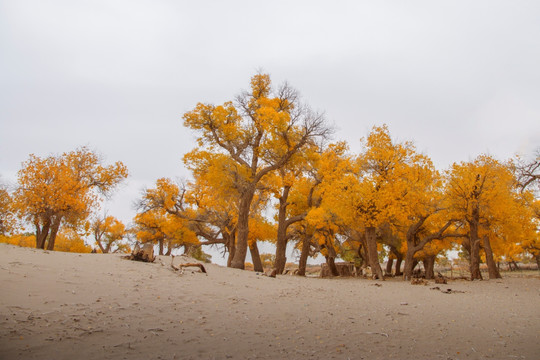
<point x="181" y="266"/>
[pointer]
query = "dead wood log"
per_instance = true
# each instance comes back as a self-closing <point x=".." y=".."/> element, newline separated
<point x="180" y="267"/>
<point x="419" y="281"/>
<point x="440" y="279"/>
<point x="145" y="254"/>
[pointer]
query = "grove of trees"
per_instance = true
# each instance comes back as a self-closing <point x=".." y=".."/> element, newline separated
<point x="265" y="170"/>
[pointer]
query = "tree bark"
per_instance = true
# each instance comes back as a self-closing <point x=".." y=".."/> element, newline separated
<point x="409" y="264"/>
<point x="42" y="233"/>
<point x="475" y="260"/>
<point x="160" y="242"/>
<point x="373" y="255"/>
<point x="54" y="231"/>
<point x="100" y="245"/>
<point x="429" y="265"/>
<point x="306" y="242"/>
<point x="230" y="242"/>
<point x="256" y="257"/>
<point x="537" y="256"/>
<point x="474" y="246"/>
<point x="399" y="259"/>
<point x="398" y="265"/>
<point x="389" y="266"/>
<point x="330" y="261"/>
<point x="281" y="241"/>
<point x="239" y="259"/>
<point x="492" y="266"/>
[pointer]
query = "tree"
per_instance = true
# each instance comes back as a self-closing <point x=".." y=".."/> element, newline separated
<point x="373" y="190"/>
<point x="259" y="133"/>
<point x="159" y="227"/>
<point x="297" y="184"/>
<point x="63" y="189"/>
<point x="482" y="195"/>
<point x="7" y="217"/>
<point x="68" y="240"/>
<point x="527" y="173"/>
<point x="108" y="231"/>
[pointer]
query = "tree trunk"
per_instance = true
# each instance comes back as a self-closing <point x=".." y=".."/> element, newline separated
<point x="187" y="248"/>
<point x="475" y="260"/>
<point x="538" y="261"/>
<point x="231" y="246"/>
<point x="160" y="243"/>
<point x="409" y="264"/>
<point x="516" y="266"/>
<point x="42" y="233"/>
<point x="429" y="265"/>
<point x="281" y="241"/>
<point x="389" y="266"/>
<point x="255" y="257"/>
<point x="169" y="249"/>
<point x="398" y="264"/>
<point x="330" y="261"/>
<point x="239" y="259"/>
<point x="306" y="242"/>
<point x="373" y="255"/>
<point x="474" y="244"/>
<point x="492" y="266"/>
<point x="101" y="246"/>
<point x="54" y="231"/>
<point x="399" y="259"/>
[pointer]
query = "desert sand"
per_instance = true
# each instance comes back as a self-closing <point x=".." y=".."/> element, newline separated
<point x="92" y="306"/>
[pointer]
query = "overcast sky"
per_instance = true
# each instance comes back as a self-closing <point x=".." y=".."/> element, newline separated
<point x="459" y="78"/>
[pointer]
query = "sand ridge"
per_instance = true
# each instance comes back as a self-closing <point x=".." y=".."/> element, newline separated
<point x="61" y="306"/>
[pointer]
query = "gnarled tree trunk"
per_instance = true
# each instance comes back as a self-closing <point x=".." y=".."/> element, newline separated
<point x="255" y="257"/>
<point x="372" y="251"/>
<point x="281" y="241"/>
<point x="389" y="264"/>
<point x="492" y="266"/>
<point x="54" y="231"/>
<point x="330" y="261"/>
<point x="42" y="232"/>
<point x="429" y="265"/>
<point x="409" y="265"/>
<point x="161" y="247"/>
<point x="306" y="241"/>
<point x="475" y="247"/>
<point x="239" y="259"/>
<point x="399" y="260"/>
<point x="230" y="242"/>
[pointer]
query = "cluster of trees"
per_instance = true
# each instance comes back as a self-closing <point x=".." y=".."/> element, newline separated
<point x="266" y="150"/>
<point x="58" y="196"/>
<point x="264" y="169"/>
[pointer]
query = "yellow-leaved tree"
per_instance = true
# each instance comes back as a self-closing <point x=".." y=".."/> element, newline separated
<point x="374" y="191"/>
<point x="259" y="132"/>
<point x="63" y="189"/>
<point x="482" y="194"/>
<point x="108" y="232"/>
<point x="7" y="217"/>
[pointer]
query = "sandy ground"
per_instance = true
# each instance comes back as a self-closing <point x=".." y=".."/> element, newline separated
<point x="92" y="306"/>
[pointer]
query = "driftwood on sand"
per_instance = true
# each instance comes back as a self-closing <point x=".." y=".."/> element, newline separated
<point x="180" y="267"/>
<point x="146" y="253"/>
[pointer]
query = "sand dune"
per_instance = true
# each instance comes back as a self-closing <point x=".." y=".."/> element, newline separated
<point x="73" y="306"/>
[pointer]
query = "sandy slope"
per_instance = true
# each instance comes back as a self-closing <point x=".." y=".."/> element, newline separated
<point x="65" y="306"/>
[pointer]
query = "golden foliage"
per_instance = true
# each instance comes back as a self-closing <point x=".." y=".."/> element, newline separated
<point x="63" y="189"/>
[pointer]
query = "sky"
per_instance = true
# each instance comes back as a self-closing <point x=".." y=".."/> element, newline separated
<point x="459" y="78"/>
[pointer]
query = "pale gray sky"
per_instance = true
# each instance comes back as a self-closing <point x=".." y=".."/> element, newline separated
<point x="457" y="77"/>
